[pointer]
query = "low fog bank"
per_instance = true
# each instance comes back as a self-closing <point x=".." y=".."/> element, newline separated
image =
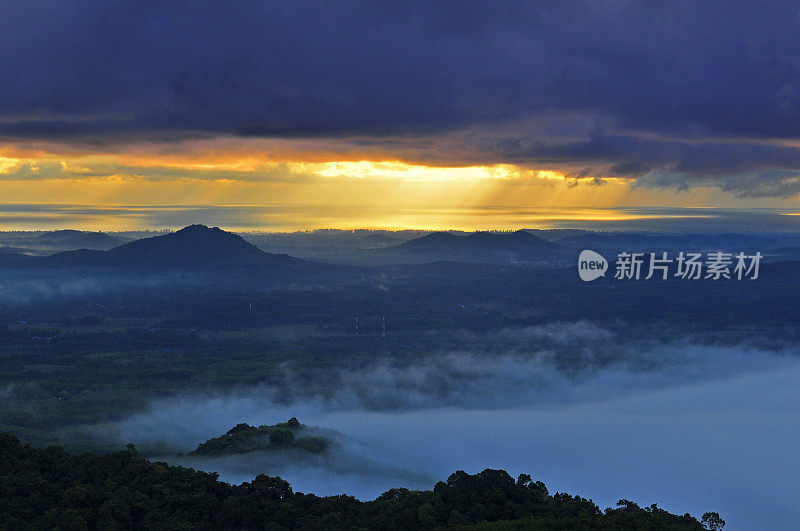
<point x="461" y="380"/>
<point x="350" y="466"/>
<point x="22" y="289"/>
<point x="726" y="445"/>
<point x="691" y="427"/>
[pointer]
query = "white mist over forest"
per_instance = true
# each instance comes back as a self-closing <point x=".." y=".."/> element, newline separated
<point x="689" y="426"/>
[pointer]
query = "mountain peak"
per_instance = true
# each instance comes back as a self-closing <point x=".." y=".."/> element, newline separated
<point x="198" y="229"/>
<point x="193" y="247"/>
<point x="193" y="244"/>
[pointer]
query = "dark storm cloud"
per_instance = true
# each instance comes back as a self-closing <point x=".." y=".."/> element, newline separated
<point x="696" y="88"/>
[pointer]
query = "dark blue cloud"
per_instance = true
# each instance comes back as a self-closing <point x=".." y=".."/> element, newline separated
<point x="652" y="78"/>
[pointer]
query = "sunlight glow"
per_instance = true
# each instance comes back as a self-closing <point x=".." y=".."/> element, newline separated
<point x="409" y="172"/>
<point x="271" y="193"/>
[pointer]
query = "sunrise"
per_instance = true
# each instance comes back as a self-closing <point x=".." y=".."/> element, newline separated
<point x="418" y="107"/>
<point x="399" y="265"/>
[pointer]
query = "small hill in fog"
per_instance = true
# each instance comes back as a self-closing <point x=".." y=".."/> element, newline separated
<point x="244" y="438"/>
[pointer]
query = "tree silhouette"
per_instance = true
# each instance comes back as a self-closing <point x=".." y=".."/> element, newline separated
<point x="713" y="521"/>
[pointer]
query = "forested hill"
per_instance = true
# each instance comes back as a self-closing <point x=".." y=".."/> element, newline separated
<point x="51" y="489"/>
<point x="243" y="438"/>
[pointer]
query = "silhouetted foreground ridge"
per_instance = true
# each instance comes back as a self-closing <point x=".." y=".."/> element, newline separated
<point x="49" y="488"/>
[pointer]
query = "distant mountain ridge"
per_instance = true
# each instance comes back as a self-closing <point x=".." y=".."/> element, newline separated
<point x="75" y="239"/>
<point x="193" y="246"/>
<point x="517" y="246"/>
<point x="195" y="242"/>
<point x="433" y="241"/>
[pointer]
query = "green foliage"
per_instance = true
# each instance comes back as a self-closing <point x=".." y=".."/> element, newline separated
<point x="47" y="488"/>
<point x="713" y="521"/>
<point x="281" y="438"/>
<point x="244" y="438"/>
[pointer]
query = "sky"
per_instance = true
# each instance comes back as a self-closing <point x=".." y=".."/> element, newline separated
<point x="286" y="115"/>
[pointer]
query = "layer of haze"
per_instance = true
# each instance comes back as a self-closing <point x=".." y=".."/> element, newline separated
<point x="291" y="217"/>
<point x="691" y="427"/>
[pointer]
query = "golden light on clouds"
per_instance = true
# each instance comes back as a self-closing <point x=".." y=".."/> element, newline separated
<point x="419" y="173"/>
<point x="342" y="193"/>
